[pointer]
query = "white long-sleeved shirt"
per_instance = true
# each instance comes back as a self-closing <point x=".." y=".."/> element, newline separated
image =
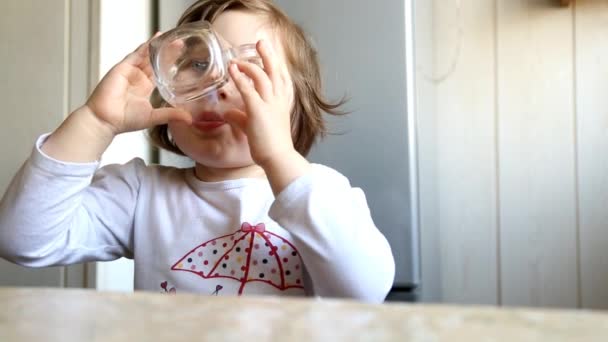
<point x="232" y="237"/>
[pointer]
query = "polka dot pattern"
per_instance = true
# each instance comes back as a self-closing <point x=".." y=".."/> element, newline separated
<point x="263" y="263"/>
<point x="289" y="259"/>
<point x="206" y="257"/>
<point x="255" y="255"/>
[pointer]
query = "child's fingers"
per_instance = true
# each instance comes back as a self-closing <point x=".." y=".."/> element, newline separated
<point x="271" y="66"/>
<point x="148" y="70"/>
<point x="260" y="79"/>
<point x="247" y="90"/>
<point x="237" y="118"/>
<point x="160" y="116"/>
<point x="141" y="53"/>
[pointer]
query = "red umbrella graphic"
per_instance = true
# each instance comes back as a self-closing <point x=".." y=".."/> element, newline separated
<point x="248" y="255"/>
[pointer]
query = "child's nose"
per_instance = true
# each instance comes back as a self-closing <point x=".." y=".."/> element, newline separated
<point x="229" y="93"/>
<point x="223" y="93"/>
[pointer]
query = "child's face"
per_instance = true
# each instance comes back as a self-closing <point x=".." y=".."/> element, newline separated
<point x="209" y="141"/>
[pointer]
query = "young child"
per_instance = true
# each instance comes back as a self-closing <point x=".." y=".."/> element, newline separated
<point x="252" y="217"/>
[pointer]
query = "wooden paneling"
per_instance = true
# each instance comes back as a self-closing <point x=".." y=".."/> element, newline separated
<point x="547" y="148"/>
<point x="537" y="159"/>
<point x="33" y="96"/>
<point x="536" y="154"/>
<point x="466" y="155"/>
<point x="45" y="76"/>
<point x="33" y="69"/>
<point x="430" y="236"/>
<point x="592" y="111"/>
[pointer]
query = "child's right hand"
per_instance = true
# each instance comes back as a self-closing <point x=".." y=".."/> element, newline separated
<point x="120" y="103"/>
<point x="121" y="99"/>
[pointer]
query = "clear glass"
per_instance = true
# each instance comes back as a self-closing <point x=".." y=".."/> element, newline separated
<point x="191" y="61"/>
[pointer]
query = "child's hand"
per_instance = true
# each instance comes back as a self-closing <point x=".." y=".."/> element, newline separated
<point x="121" y="99"/>
<point x="268" y="102"/>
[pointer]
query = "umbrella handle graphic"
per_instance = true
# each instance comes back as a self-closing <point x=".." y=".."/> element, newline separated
<point x="164" y="284"/>
<point x="218" y="288"/>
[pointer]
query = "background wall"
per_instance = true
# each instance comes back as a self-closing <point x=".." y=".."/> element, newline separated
<point x="48" y="70"/>
<point x="122" y="26"/>
<point x="513" y="126"/>
<point x="44" y="63"/>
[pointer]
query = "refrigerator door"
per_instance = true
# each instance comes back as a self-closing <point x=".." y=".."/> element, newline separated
<point x="363" y="50"/>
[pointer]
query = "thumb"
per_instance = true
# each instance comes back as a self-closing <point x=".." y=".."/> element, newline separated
<point x="236" y="118"/>
<point x="160" y="116"/>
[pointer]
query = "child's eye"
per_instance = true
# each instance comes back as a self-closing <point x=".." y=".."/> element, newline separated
<point x="200" y="66"/>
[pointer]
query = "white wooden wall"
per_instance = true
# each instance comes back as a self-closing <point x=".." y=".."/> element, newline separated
<point x="44" y="64"/>
<point x="512" y="100"/>
<point x="48" y="70"/>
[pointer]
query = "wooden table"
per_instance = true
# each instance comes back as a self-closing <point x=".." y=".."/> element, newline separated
<point x="28" y="314"/>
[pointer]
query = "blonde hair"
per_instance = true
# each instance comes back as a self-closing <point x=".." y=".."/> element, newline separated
<point x="307" y="122"/>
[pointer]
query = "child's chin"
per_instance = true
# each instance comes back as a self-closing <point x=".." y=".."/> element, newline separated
<point x="226" y="163"/>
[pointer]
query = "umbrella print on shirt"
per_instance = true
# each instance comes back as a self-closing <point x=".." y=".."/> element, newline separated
<point x="250" y="254"/>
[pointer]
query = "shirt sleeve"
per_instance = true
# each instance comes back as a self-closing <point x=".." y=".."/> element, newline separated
<point x="59" y="213"/>
<point x="344" y="253"/>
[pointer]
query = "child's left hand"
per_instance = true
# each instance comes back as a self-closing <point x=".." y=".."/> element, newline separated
<point x="268" y="101"/>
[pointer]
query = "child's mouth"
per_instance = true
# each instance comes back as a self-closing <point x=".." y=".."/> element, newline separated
<point x="208" y="121"/>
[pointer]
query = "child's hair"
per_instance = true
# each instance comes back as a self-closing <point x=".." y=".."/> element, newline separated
<point x="309" y="103"/>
